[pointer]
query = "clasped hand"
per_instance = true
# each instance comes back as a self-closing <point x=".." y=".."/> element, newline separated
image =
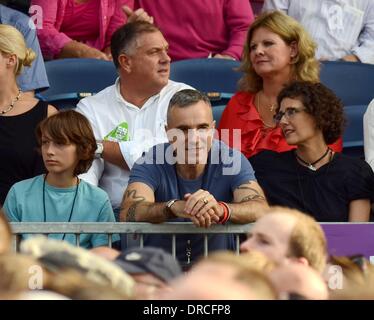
<point x="201" y="207"/>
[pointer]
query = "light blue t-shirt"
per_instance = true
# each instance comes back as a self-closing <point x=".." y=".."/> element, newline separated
<point x="34" y="77"/>
<point x="226" y="170"/>
<point x="24" y="202"/>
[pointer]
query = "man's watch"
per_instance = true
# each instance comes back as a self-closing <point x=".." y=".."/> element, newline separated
<point x="169" y="204"/>
<point x="99" y="150"/>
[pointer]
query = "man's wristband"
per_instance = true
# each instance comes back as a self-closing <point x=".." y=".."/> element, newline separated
<point x="168" y="206"/>
<point x="226" y="212"/>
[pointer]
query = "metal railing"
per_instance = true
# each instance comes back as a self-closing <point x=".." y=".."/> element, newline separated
<point x="138" y="228"/>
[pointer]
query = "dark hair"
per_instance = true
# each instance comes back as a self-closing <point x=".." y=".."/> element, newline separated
<point x="68" y="127"/>
<point x="320" y="102"/>
<point x="186" y="98"/>
<point x="123" y="38"/>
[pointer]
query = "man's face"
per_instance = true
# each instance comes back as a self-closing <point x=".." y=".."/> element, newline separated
<point x="149" y="63"/>
<point x="271" y="235"/>
<point x="191" y="130"/>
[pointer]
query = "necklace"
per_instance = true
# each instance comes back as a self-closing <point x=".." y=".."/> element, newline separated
<point x="72" y="207"/>
<point x="310" y="165"/>
<point x="305" y="206"/>
<point x="11" y="106"/>
<point x="271" y="108"/>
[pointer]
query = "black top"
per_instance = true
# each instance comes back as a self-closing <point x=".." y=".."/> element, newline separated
<point x="325" y="193"/>
<point x="19" y="156"/>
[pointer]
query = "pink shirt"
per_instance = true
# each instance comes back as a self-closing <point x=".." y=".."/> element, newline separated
<point x="198" y="28"/>
<point x="107" y="19"/>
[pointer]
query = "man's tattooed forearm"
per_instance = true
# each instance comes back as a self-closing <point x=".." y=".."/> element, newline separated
<point x="252" y="197"/>
<point x="130" y="195"/>
<point x="256" y="195"/>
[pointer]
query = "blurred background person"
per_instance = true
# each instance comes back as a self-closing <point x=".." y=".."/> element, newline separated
<point x="215" y="29"/>
<point x="78" y="28"/>
<point x="343" y="30"/>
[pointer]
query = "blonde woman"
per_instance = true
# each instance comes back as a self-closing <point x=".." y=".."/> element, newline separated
<point x="277" y="51"/>
<point x="19" y="114"/>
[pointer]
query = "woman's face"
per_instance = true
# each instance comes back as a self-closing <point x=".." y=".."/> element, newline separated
<point x="269" y="54"/>
<point x="297" y="125"/>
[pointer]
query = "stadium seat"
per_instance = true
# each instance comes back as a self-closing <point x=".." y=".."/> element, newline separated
<point x="216" y="77"/>
<point x="353" y="83"/>
<point x="207" y="75"/>
<point x="73" y="79"/>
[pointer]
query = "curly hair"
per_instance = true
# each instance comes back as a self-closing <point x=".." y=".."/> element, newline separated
<point x="305" y="67"/>
<point x="68" y="127"/>
<point x="321" y="103"/>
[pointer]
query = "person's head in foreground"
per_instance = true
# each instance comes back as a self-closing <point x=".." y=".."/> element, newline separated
<point x="69" y="264"/>
<point x="350" y="277"/>
<point x="5" y="234"/>
<point x="284" y="235"/>
<point x="296" y="281"/>
<point x="151" y="268"/>
<point x="222" y="276"/>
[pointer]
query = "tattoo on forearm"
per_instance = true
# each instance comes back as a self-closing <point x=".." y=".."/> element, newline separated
<point x="130" y="195"/>
<point x="254" y="196"/>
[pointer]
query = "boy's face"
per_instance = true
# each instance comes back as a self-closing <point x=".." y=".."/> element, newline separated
<point x="58" y="158"/>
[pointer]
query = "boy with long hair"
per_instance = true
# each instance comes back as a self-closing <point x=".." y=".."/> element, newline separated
<point x="68" y="147"/>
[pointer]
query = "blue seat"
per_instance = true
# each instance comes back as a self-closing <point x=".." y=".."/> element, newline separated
<point x="73" y="79"/>
<point x="216" y="77"/>
<point x="207" y="75"/>
<point x="353" y="83"/>
<point x="353" y="140"/>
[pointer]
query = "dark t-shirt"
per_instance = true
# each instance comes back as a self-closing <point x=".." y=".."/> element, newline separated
<point x="226" y="170"/>
<point x="20" y="158"/>
<point x="325" y="193"/>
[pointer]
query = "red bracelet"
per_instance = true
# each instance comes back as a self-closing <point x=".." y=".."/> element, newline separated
<point x="226" y="212"/>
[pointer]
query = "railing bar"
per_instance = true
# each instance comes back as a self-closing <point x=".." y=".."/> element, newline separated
<point x="173" y="246"/>
<point x="110" y="240"/>
<point x="18" y="241"/>
<point x="205" y="245"/>
<point x="237" y="244"/>
<point x="77" y="239"/>
<point x="141" y="240"/>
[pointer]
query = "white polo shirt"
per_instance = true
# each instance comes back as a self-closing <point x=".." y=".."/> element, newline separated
<point x="135" y="129"/>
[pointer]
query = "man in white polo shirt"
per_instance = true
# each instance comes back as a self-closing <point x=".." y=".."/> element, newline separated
<point x="129" y="117"/>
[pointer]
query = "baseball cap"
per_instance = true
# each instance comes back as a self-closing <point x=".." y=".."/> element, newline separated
<point x="149" y="260"/>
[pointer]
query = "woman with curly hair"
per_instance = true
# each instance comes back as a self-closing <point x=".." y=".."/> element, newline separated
<point x="313" y="178"/>
<point x="277" y="51"/>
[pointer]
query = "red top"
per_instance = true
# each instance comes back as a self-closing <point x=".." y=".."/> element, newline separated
<point x="241" y="113"/>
